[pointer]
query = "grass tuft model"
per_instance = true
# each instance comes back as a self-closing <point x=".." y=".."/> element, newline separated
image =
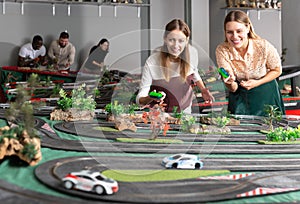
<point x="91" y="181"/>
<point x="182" y="161"/>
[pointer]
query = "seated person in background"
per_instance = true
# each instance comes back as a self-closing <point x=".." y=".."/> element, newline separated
<point x="33" y="54"/>
<point x="62" y="52"/>
<point x="96" y="57"/>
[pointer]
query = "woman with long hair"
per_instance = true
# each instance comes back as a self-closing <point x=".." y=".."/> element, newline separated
<point x="172" y="71"/>
<point x="253" y="65"/>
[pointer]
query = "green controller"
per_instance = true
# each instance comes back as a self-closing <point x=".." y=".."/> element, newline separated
<point x="223" y="72"/>
<point x="156" y="95"/>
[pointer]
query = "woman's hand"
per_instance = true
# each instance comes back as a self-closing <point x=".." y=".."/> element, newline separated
<point x="231" y="83"/>
<point x="161" y="99"/>
<point x="249" y="84"/>
<point x="207" y="96"/>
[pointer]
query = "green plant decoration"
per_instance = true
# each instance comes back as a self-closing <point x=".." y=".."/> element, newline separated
<point x="132" y="108"/>
<point x="29" y="151"/>
<point x="33" y="80"/>
<point x="117" y="108"/>
<point x="273" y="113"/>
<point x="177" y="114"/>
<point x="222" y="121"/>
<point x="187" y="122"/>
<point x="78" y="100"/>
<point x="21" y="112"/>
<point x="281" y="134"/>
<point x="64" y="102"/>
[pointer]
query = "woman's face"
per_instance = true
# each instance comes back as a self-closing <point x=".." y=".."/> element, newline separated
<point x="237" y="34"/>
<point x="176" y="42"/>
<point x="105" y="46"/>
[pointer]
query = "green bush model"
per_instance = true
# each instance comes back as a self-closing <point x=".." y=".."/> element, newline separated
<point x="20" y="138"/>
<point x="78" y="100"/>
<point x="77" y="106"/>
<point x="281" y="134"/>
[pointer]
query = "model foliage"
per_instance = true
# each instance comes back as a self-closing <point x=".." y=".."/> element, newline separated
<point x="20" y="138"/>
<point x="281" y="134"/>
<point x="115" y="108"/>
<point x="273" y="114"/>
<point x="78" y="100"/>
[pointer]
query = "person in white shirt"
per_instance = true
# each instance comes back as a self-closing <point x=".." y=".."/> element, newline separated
<point x="173" y="71"/>
<point x="33" y="54"/>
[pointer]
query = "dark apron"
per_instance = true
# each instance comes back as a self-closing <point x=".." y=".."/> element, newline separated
<point x="253" y="101"/>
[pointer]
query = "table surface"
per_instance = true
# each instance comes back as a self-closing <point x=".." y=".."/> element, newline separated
<point x="40" y="71"/>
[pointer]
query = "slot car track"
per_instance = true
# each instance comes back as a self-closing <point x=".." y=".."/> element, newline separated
<point x="241" y="145"/>
<point x="179" y="191"/>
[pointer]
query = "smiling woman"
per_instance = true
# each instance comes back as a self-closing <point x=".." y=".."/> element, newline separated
<point x="172" y="71"/>
<point x="253" y="65"/>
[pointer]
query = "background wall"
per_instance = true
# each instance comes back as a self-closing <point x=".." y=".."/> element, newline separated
<point x="200" y="31"/>
<point x="291" y="31"/>
<point x="267" y="24"/>
<point x="84" y="24"/>
<point x="86" y="28"/>
<point x="161" y="13"/>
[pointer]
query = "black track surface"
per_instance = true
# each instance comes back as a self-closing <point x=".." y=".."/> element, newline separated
<point x="278" y="172"/>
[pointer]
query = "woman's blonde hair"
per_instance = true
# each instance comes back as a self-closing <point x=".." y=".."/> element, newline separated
<point x="240" y="17"/>
<point x="176" y="24"/>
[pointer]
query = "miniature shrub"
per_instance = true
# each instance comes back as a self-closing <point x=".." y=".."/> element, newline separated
<point x="177" y="114"/>
<point x="222" y="121"/>
<point x="29" y="151"/>
<point x="117" y="109"/>
<point x="78" y="100"/>
<point x="187" y="122"/>
<point x="283" y="135"/>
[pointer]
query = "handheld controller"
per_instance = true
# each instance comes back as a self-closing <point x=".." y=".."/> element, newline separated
<point x="156" y="95"/>
<point x="223" y="72"/>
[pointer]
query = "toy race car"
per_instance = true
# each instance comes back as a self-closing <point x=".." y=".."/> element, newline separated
<point x="182" y="161"/>
<point x="91" y="181"/>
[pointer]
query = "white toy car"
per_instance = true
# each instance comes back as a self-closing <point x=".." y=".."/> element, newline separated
<point x="183" y="161"/>
<point x="91" y="181"/>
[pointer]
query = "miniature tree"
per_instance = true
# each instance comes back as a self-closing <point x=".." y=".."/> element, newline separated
<point x="20" y="138"/>
<point x="273" y="114"/>
<point x="158" y="120"/>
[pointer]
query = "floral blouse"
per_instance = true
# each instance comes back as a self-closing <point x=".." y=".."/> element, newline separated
<point x="260" y="58"/>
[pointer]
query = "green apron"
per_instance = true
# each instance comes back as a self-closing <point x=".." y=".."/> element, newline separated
<point x="253" y="101"/>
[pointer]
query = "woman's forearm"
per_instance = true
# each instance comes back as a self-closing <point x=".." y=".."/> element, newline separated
<point x="270" y="76"/>
<point x="145" y="100"/>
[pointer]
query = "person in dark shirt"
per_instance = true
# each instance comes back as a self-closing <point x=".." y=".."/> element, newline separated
<point x="95" y="60"/>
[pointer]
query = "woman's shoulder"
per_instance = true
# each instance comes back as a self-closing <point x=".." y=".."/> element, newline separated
<point x="154" y="58"/>
<point x="223" y="46"/>
<point x="262" y="43"/>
